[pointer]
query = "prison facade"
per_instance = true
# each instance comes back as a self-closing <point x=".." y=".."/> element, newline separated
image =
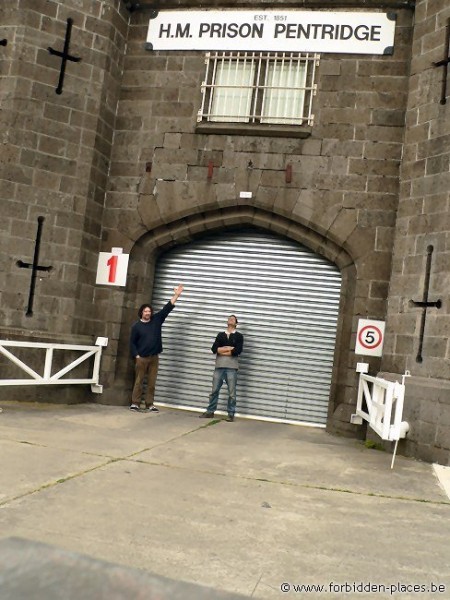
<point x="288" y="164"/>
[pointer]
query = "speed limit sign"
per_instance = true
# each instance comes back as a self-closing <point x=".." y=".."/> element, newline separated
<point x="370" y="338"/>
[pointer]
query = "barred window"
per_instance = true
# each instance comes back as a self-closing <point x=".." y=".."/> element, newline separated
<point x="253" y="87"/>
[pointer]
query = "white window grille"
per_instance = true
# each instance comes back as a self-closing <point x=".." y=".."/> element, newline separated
<point x="253" y="87"/>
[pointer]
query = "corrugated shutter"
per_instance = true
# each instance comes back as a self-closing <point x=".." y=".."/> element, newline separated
<point x="286" y="299"/>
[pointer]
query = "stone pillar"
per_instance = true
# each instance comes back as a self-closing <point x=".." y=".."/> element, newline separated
<point x="423" y="222"/>
<point x="54" y="161"/>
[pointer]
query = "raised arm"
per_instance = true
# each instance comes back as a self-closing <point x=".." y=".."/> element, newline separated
<point x="176" y="293"/>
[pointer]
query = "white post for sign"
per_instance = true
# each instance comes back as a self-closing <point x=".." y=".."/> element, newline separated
<point x="383" y="401"/>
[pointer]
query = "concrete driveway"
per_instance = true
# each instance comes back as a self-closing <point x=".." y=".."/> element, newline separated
<point x="248" y="507"/>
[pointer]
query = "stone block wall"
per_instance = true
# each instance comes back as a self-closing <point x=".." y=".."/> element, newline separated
<point x="54" y="161"/>
<point x="341" y="202"/>
<point x="423" y="221"/>
<point x="118" y="159"/>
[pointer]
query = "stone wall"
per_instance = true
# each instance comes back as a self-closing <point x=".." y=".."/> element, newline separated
<point x="423" y="221"/>
<point x="341" y="202"/>
<point x="54" y="160"/>
<point x="119" y="160"/>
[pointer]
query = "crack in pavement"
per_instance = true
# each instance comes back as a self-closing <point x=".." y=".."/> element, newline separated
<point x="132" y="457"/>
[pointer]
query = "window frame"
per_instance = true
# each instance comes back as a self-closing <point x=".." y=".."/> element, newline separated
<point x="261" y="62"/>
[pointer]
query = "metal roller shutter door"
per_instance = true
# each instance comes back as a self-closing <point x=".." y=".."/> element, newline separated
<point x="286" y="299"/>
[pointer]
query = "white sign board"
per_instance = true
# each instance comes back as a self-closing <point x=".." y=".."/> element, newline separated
<point x="370" y="338"/>
<point x="272" y="30"/>
<point x="112" y="267"/>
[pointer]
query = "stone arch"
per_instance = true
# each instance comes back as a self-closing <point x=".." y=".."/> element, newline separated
<point x="148" y="247"/>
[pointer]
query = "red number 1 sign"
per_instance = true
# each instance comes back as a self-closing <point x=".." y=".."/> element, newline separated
<point x="112" y="268"/>
<point x="112" y="264"/>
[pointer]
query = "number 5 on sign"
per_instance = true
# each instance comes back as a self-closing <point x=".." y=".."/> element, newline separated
<point x="112" y="267"/>
<point x="370" y="338"/>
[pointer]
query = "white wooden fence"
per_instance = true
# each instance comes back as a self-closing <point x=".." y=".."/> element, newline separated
<point x="57" y="378"/>
<point x="384" y="401"/>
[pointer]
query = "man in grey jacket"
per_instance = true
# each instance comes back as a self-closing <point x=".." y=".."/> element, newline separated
<point x="227" y="347"/>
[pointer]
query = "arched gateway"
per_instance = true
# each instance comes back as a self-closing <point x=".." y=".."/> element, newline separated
<point x="287" y="301"/>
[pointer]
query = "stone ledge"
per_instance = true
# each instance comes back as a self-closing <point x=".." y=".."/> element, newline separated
<point x="285" y="131"/>
<point x="417" y="382"/>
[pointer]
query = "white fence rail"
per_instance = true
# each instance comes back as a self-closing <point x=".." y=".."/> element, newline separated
<point x="384" y="401"/>
<point x="57" y="378"/>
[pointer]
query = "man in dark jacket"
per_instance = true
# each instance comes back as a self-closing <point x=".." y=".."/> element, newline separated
<point x="145" y="347"/>
<point x="227" y="348"/>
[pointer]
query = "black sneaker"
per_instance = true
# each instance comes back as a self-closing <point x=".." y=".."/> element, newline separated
<point x="152" y="408"/>
<point x="206" y="415"/>
<point x="230" y="418"/>
<point x="134" y="407"/>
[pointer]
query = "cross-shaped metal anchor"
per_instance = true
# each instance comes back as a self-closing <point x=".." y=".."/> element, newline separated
<point x="64" y="55"/>
<point x="424" y="304"/>
<point x="34" y="266"/>
<point x="444" y="63"/>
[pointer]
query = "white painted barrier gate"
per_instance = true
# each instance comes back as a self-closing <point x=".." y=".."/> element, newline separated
<point x="57" y="378"/>
<point x="384" y="401"/>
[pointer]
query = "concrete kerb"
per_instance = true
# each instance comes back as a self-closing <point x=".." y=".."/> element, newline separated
<point x="443" y="474"/>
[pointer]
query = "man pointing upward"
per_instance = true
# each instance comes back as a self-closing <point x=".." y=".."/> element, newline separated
<point x="145" y="348"/>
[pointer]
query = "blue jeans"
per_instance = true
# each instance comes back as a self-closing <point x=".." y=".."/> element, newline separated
<point x="230" y="377"/>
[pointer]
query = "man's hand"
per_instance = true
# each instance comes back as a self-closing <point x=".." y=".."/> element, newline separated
<point x="176" y="292"/>
<point x="225" y="350"/>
